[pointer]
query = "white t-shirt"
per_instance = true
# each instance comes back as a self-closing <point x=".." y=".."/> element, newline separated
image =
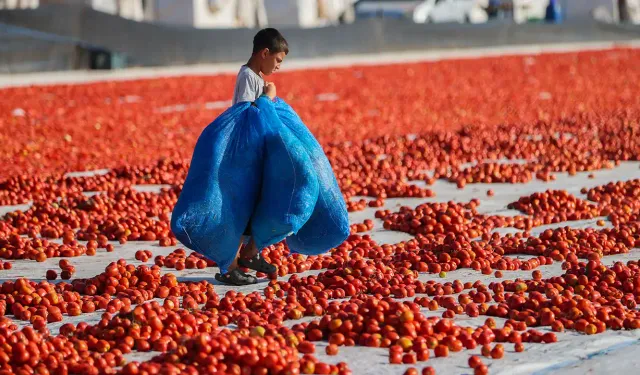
<point x="249" y="86"/>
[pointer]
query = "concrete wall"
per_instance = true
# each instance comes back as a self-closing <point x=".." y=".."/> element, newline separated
<point x="581" y="10"/>
<point x="156" y="45"/>
<point x="22" y="51"/>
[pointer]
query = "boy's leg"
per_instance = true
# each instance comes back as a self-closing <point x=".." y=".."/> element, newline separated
<point x="250" y="258"/>
<point x="234" y="264"/>
<point x="234" y="274"/>
<point x="250" y="250"/>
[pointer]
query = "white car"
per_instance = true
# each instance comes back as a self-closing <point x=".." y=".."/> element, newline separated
<point x="526" y="10"/>
<point x="386" y="8"/>
<point x="463" y="11"/>
<point x="426" y="10"/>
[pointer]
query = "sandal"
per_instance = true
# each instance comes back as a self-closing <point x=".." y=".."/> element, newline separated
<point x="236" y="277"/>
<point x="258" y="264"/>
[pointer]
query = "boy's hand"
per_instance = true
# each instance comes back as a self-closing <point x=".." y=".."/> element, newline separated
<point x="270" y="90"/>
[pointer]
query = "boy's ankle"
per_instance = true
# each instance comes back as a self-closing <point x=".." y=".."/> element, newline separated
<point x="248" y="255"/>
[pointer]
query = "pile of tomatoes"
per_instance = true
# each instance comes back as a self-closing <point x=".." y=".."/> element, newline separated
<point x="393" y="132"/>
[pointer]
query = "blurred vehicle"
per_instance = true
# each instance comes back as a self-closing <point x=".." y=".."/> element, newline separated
<point x="386" y="8"/>
<point x="529" y="10"/>
<point x="436" y="11"/>
<point x="626" y="11"/>
<point x="337" y="11"/>
<point x="309" y="13"/>
<point x="207" y="13"/>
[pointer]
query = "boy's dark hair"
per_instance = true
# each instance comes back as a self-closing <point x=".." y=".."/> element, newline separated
<point x="272" y="39"/>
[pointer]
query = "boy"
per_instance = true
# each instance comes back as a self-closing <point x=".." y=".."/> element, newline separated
<point x="269" y="50"/>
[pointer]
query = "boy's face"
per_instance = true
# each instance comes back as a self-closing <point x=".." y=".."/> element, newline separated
<point x="271" y="61"/>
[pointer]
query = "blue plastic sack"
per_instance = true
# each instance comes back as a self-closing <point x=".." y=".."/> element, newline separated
<point x="328" y="225"/>
<point x="222" y="185"/>
<point x="289" y="182"/>
<point x="246" y="167"/>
